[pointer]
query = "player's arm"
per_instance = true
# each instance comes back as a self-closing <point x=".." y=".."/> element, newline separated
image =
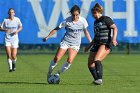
<point x="20" y="28"/>
<point x="85" y="30"/>
<point x="51" y="33"/>
<point x="4" y="30"/>
<point x="115" y="31"/>
<point x="87" y="35"/>
<point x="62" y="24"/>
<point x="1" y="29"/>
<point x="112" y="25"/>
<point x="89" y="46"/>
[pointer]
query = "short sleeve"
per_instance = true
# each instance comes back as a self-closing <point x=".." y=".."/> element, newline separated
<point x="3" y="24"/>
<point x="62" y="24"/>
<point x="19" y="22"/>
<point x="85" y="23"/>
<point x="109" y="21"/>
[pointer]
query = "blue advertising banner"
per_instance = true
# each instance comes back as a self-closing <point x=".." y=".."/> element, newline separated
<point x="39" y="17"/>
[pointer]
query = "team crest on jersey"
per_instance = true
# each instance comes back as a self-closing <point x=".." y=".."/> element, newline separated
<point x="98" y="24"/>
<point x="68" y="24"/>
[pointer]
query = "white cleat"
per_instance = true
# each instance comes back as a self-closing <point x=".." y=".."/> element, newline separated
<point x="56" y="74"/>
<point x="98" y="82"/>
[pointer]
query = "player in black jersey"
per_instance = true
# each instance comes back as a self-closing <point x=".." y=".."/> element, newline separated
<point x="101" y="44"/>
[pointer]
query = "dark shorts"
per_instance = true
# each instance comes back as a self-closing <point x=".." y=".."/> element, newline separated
<point x="96" y="47"/>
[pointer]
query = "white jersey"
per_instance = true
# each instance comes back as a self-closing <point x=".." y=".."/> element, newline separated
<point x="13" y="26"/>
<point x="73" y="30"/>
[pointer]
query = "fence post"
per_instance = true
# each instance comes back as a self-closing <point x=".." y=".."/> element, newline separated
<point x="128" y="48"/>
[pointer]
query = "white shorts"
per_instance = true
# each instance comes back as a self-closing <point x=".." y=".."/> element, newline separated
<point x="13" y="44"/>
<point x="65" y="45"/>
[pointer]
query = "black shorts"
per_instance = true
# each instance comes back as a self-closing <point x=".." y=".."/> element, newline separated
<point x="95" y="47"/>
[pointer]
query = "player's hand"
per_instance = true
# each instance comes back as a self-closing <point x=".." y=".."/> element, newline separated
<point x="7" y="31"/>
<point x="44" y="39"/>
<point x="15" y="32"/>
<point x="86" y="49"/>
<point x="114" y="42"/>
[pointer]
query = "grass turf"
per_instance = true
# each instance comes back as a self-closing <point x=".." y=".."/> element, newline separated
<point x="121" y="75"/>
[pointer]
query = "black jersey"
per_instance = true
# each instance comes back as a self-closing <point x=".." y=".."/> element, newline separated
<point x="102" y="30"/>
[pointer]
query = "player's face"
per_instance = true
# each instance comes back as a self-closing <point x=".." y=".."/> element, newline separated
<point x="96" y="14"/>
<point x="11" y="13"/>
<point x="75" y="15"/>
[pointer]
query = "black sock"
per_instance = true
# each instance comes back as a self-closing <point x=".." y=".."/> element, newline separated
<point x="93" y="72"/>
<point x="99" y="69"/>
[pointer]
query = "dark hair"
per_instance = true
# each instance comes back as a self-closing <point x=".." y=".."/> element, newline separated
<point x="97" y="7"/>
<point x="75" y="8"/>
<point x="10" y="10"/>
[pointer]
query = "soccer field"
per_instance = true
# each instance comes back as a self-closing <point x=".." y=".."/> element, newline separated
<point x="121" y="75"/>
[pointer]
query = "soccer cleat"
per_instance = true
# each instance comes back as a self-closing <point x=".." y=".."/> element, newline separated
<point x="14" y="69"/>
<point x="57" y="75"/>
<point x="10" y="70"/>
<point x="98" y="82"/>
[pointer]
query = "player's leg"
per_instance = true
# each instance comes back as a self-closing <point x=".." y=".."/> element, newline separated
<point x="104" y="56"/>
<point x="91" y="65"/>
<point x="14" y="49"/>
<point x="9" y="60"/>
<point x="60" y="52"/>
<point x="71" y="55"/>
<point x="58" y="56"/>
<point x="102" y="52"/>
<point x="14" y="58"/>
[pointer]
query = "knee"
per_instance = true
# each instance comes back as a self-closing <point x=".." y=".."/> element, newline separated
<point x="97" y="59"/>
<point x="14" y="57"/>
<point x="69" y="60"/>
<point x="90" y="62"/>
<point x="56" y="59"/>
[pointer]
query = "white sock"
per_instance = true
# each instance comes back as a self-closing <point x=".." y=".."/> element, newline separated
<point x="65" y="67"/>
<point x="10" y="63"/>
<point x="52" y="66"/>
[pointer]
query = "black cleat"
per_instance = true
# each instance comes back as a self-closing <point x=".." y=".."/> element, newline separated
<point x="14" y="69"/>
<point x="10" y="70"/>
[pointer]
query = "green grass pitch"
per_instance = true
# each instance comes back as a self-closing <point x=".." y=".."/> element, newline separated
<point x="121" y="75"/>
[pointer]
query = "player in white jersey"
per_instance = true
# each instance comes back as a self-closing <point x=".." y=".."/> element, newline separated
<point x="74" y="25"/>
<point x="11" y="26"/>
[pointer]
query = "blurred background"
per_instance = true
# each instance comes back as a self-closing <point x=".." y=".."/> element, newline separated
<point x="39" y="17"/>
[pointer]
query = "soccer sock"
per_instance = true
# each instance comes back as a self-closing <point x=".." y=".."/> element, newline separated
<point x="10" y="63"/>
<point x="99" y="69"/>
<point x="65" y="67"/>
<point x="14" y="64"/>
<point x="52" y="66"/>
<point x="14" y="61"/>
<point x="93" y="72"/>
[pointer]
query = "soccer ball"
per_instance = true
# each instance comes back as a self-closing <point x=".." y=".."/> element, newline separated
<point x="53" y="79"/>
